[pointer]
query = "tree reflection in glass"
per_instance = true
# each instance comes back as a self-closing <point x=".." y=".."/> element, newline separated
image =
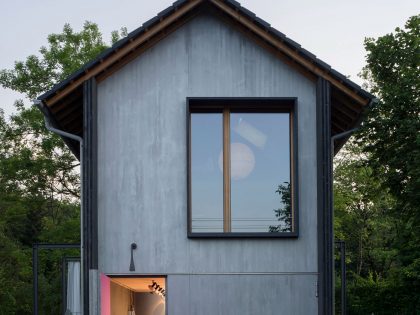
<point x="260" y="160"/>
<point x="284" y="213"/>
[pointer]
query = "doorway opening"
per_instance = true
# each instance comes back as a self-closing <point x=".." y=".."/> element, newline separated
<point x="133" y="295"/>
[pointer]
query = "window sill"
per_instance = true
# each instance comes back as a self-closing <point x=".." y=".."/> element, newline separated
<point x="293" y="235"/>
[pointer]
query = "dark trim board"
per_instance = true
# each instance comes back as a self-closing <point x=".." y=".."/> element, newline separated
<point x="89" y="200"/>
<point x="90" y="169"/>
<point x="324" y="197"/>
<point x="241" y="104"/>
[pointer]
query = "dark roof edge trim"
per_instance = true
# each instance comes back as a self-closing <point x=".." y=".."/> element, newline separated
<point x="237" y="6"/>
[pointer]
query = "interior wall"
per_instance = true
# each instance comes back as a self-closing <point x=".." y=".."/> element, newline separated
<point x="149" y="304"/>
<point x="120" y="299"/>
<point x="105" y="295"/>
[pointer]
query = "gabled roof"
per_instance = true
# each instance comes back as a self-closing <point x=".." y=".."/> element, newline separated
<point x="64" y="100"/>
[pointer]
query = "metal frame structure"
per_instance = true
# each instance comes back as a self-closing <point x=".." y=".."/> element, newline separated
<point x="35" y="249"/>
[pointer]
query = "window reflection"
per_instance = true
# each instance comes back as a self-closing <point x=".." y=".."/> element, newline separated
<point x="206" y="177"/>
<point x="284" y="213"/>
<point x="260" y="161"/>
<point x="258" y="196"/>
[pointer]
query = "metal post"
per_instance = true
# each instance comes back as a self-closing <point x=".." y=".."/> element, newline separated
<point x="343" y="272"/>
<point x="343" y="278"/>
<point x="63" y="285"/>
<point x="35" y="277"/>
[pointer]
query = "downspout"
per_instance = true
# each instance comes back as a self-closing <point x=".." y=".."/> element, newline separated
<point x="349" y="132"/>
<point x="42" y="107"/>
<point x="341" y="135"/>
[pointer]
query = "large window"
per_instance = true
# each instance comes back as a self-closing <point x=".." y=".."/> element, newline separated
<point x="242" y="167"/>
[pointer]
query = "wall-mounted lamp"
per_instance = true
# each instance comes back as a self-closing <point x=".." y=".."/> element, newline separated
<point x="157" y="289"/>
<point x="133" y="247"/>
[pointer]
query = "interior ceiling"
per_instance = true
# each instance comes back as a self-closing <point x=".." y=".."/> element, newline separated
<point x="139" y="284"/>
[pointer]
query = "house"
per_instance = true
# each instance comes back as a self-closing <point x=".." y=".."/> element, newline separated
<point x="205" y="141"/>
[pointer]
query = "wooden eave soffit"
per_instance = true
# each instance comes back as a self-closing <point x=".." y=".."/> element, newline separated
<point x="234" y="14"/>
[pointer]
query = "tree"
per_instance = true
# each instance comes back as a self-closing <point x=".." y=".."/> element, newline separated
<point x="39" y="181"/>
<point x="377" y="206"/>
<point x="362" y="214"/>
<point x="390" y="138"/>
<point x="363" y="220"/>
<point x="392" y="129"/>
<point x="66" y="53"/>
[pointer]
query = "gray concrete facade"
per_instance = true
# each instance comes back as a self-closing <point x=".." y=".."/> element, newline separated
<point x="242" y="294"/>
<point x="142" y="176"/>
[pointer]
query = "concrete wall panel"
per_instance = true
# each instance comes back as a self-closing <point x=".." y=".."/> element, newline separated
<point x="242" y="295"/>
<point x="142" y="174"/>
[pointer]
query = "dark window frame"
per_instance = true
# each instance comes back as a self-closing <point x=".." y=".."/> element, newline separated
<point x="247" y="105"/>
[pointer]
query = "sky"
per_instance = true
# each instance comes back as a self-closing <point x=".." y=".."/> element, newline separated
<point x="259" y="163"/>
<point x="333" y="30"/>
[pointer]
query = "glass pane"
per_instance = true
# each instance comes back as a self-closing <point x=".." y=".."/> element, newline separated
<point x="73" y="288"/>
<point x="206" y="173"/>
<point x="260" y="172"/>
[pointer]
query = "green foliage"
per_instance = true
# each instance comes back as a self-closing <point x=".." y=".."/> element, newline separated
<point x="391" y="133"/>
<point x="15" y="275"/>
<point x="66" y="53"/>
<point x="361" y="214"/>
<point x="363" y="221"/>
<point x="38" y="203"/>
<point x="39" y="180"/>
<point x="377" y="181"/>
<point x="283" y="214"/>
